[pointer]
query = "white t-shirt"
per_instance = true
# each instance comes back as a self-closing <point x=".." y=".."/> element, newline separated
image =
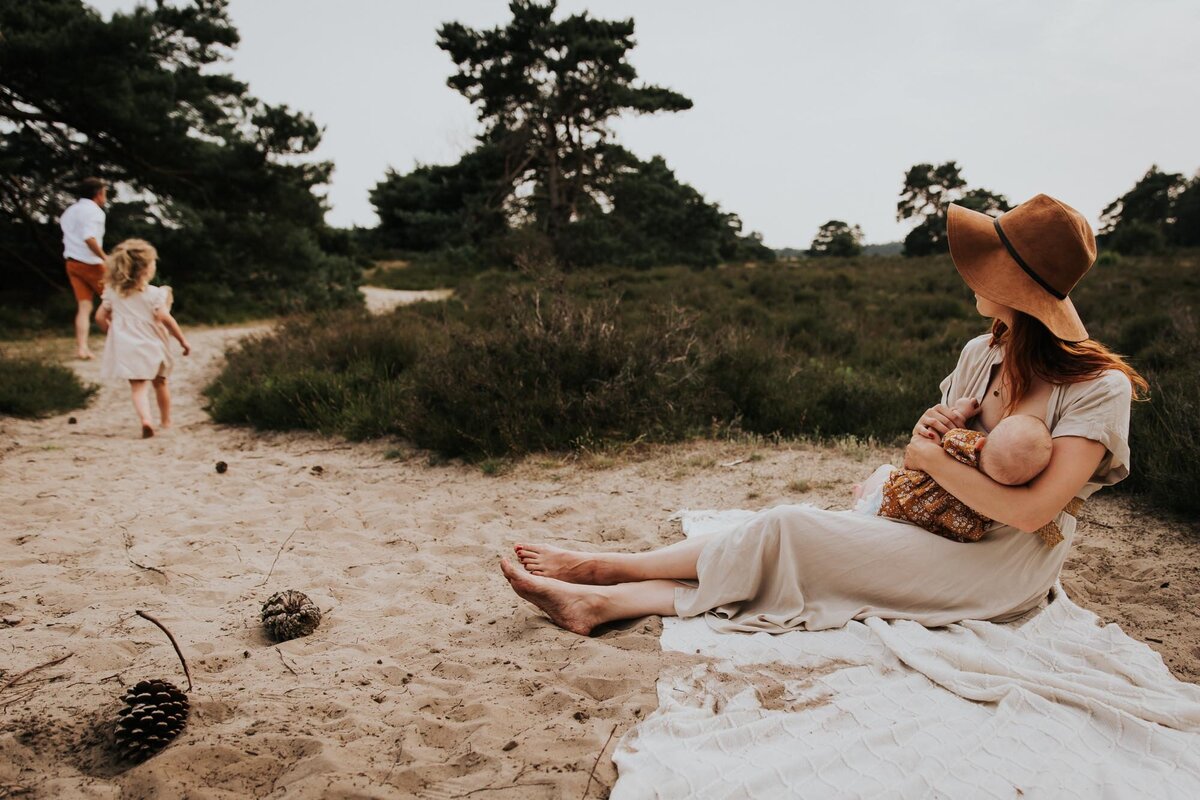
<point x="82" y="221"/>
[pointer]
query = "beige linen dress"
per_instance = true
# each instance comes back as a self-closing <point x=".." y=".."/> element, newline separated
<point x="137" y="344"/>
<point x="801" y="567"/>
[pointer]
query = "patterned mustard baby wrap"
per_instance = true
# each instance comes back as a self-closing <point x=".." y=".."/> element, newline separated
<point x="913" y="496"/>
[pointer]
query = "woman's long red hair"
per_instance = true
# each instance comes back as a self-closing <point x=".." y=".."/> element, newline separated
<point x="1033" y="351"/>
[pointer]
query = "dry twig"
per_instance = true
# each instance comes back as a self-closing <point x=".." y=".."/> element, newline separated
<point x="596" y="763"/>
<point x="278" y="553"/>
<point x="186" y="672"/>
<point x="13" y="680"/>
<point x="128" y="555"/>
<point x="285" y="663"/>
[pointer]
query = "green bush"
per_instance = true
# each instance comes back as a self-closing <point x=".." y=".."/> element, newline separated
<point x="335" y="372"/>
<point x="834" y="346"/>
<point x="1164" y="438"/>
<point x="417" y="271"/>
<point x="555" y="374"/>
<point x="21" y="318"/>
<point x="33" y="388"/>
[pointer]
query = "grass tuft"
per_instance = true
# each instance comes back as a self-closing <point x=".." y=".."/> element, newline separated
<point x="33" y="388"/>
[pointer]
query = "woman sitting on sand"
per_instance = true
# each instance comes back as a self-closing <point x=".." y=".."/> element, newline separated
<point x="795" y="567"/>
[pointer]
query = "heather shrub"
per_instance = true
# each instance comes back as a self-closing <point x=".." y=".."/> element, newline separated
<point x="554" y="373"/>
<point x="520" y="361"/>
<point x="34" y="388"/>
<point x="337" y="372"/>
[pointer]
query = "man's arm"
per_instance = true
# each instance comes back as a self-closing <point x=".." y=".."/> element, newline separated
<point x="95" y="247"/>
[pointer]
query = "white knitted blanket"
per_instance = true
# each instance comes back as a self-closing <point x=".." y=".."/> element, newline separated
<point x="1055" y="705"/>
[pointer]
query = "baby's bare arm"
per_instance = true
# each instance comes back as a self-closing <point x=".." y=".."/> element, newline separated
<point x="967" y="406"/>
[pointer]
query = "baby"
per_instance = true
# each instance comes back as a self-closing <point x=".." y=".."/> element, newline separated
<point x="1013" y="454"/>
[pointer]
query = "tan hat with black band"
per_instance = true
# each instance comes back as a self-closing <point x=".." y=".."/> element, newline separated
<point x="1029" y="259"/>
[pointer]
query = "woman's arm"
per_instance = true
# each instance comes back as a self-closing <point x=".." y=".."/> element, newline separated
<point x="1072" y="461"/>
<point x="936" y="422"/>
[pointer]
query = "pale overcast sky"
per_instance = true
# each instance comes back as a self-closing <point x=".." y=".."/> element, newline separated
<point x="803" y="112"/>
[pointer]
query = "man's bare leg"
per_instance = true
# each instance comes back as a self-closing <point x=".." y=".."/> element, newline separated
<point x="162" y="394"/>
<point x="673" y="562"/>
<point x="579" y="608"/>
<point x="83" y="326"/>
<point x="141" y="404"/>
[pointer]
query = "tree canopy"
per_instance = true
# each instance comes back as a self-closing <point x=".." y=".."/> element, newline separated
<point x="547" y="163"/>
<point x="924" y="197"/>
<point x="1162" y="208"/>
<point x="838" y="239"/>
<point x="207" y="172"/>
<point x="546" y="91"/>
<point x="438" y="206"/>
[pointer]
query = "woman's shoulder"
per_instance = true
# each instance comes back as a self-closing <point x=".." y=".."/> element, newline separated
<point x="1098" y="409"/>
<point x="1101" y="401"/>
<point x="975" y="350"/>
<point x="1112" y="383"/>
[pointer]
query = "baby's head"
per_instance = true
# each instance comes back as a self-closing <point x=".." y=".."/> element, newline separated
<point x="1016" y="450"/>
<point x="131" y="265"/>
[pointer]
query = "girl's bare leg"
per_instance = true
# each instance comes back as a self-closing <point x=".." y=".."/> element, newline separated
<point x="579" y="608"/>
<point x="141" y="404"/>
<point x="674" y="562"/>
<point x="162" y="393"/>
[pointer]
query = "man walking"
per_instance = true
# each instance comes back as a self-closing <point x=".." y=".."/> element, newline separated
<point x="83" y="237"/>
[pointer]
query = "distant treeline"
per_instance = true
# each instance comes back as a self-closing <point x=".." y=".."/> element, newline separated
<point x="1161" y="211"/>
<point x="223" y="185"/>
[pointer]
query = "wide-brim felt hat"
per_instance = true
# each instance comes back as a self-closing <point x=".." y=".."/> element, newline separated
<point x="1028" y="259"/>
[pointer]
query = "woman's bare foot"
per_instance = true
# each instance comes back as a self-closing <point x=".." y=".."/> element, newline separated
<point x="147" y="430"/>
<point x="84" y="355"/>
<point x="568" y="606"/>
<point x="565" y="565"/>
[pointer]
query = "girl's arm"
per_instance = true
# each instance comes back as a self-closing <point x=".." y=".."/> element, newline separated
<point x="164" y="316"/>
<point x="102" y="317"/>
<point x="1072" y="461"/>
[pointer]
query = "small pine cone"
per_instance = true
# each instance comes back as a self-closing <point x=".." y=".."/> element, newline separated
<point x="290" y="614"/>
<point x="154" y="713"/>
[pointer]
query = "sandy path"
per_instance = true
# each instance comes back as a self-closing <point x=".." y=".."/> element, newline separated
<point x="427" y="677"/>
<point x="379" y="299"/>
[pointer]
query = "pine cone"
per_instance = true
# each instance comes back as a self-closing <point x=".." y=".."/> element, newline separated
<point x="290" y="614"/>
<point x="154" y="714"/>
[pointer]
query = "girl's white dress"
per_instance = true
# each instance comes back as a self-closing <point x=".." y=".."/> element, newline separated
<point x="137" y="347"/>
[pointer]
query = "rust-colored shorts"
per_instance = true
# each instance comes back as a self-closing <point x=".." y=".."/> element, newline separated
<point x="86" y="279"/>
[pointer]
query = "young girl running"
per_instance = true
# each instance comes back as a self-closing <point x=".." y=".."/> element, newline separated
<point x="137" y="317"/>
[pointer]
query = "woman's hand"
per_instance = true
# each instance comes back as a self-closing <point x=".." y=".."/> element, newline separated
<point x="937" y="421"/>
<point x="920" y="453"/>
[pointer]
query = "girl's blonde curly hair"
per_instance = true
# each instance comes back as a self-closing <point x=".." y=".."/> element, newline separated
<point x="128" y="266"/>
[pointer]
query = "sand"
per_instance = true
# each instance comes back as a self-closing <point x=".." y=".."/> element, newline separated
<point x="427" y="677"/>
